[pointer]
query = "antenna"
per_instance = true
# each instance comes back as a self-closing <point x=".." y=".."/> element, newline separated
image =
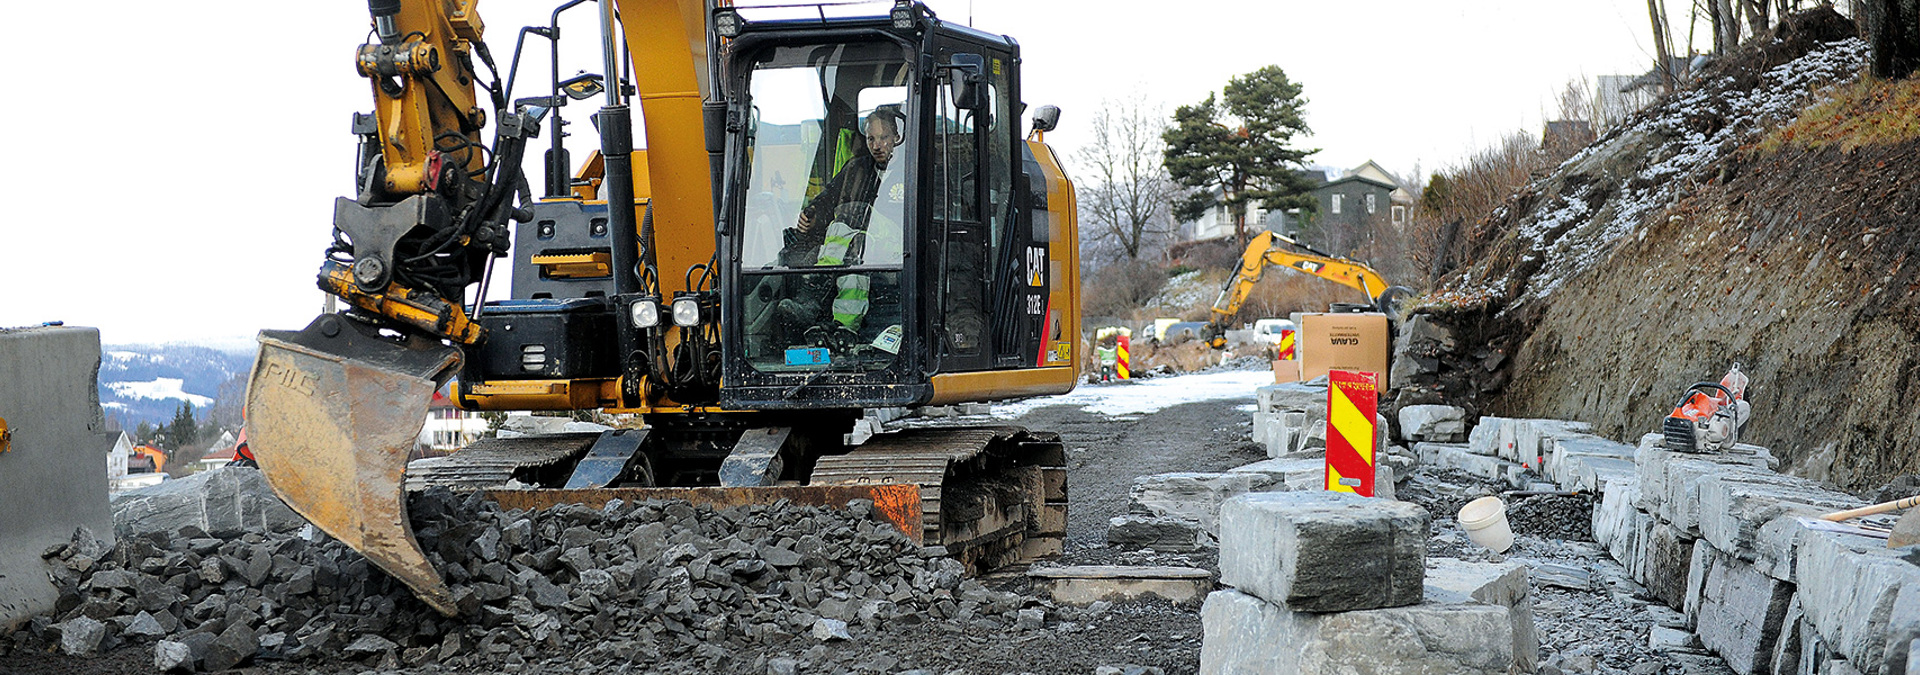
<point x="969" y="13"/>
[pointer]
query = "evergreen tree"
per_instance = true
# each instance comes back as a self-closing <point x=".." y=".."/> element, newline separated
<point x="1241" y="145"/>
<point x="183" y="430"/>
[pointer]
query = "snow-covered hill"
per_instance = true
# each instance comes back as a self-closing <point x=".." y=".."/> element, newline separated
<point x="147" y="383"/>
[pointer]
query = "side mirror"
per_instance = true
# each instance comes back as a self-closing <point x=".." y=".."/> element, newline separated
<point x="966" y="85"/>
<point x="1046" y="118"/>
<point x="583" y="86"/>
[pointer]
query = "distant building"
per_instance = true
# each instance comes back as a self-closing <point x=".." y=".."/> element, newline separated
<point x="1565" y="137"/>
<point x="1619" y="96"/>
<point x="128" y="469"/>
<point x="1217" y="222"/>
<point x="449" y="428"/>
<point x="118" y="451"/>
<point x="216" y="458"/>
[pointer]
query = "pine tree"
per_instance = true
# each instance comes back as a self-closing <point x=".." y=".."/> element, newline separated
<point x="183" y="430"/>
<point x="1241" y="145"/>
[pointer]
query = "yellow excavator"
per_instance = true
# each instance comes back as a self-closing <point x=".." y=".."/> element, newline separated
<point x="1268" y="249"/>
<point x="830" y="211"/>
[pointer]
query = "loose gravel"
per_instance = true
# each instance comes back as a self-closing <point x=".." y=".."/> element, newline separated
<point x="684" y="588"/>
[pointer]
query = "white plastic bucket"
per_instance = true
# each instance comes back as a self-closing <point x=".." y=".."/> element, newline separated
<point x="1485" y="520"/>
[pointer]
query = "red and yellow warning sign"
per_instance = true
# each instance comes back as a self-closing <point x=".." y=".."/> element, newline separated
<point x="1124" y="367"/>
<point x="1352" y="405"/>
<point x="1286" y="351"/>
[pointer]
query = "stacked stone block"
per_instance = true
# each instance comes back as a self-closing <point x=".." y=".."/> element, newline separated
<point x="1334" y="583"/>
<point x="1720" y="537"/>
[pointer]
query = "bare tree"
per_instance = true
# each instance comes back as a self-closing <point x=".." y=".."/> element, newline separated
<point x="1127" y="198"/>
<point x="1662" y="41"/>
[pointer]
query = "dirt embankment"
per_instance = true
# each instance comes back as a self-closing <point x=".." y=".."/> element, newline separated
<point x="1703" y="232"/>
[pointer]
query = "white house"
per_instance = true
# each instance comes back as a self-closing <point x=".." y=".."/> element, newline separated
<point x="119" y="479"/>
<point x="449" y="428"/>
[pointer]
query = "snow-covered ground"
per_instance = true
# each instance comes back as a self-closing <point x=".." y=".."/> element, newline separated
<point x="1139" y="397"/>
<point x="159" y="388"/>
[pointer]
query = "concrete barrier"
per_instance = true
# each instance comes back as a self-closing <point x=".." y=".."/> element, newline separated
<point x="54" y="479"/>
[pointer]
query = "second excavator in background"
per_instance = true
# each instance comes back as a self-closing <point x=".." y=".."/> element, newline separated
<point x="826" y="214"/>
<point x="1268" y="249"/>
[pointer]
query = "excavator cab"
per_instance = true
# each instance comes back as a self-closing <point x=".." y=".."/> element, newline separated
<point x="879" y="216"/>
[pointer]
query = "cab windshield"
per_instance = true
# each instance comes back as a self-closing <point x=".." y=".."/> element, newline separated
<point x="825" y="204"/>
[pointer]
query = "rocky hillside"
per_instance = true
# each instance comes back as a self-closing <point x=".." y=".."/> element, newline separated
<point x="1713" y="227"/>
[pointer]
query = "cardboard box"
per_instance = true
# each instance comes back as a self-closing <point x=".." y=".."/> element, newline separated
<point x="1356" y="342"/>
<point x="1286" y="371"/>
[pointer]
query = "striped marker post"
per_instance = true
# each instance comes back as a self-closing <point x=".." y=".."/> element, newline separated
<point x="1352" y="404"/>
<point x="1286" y="345"/>
<point x="1123" y="368"/>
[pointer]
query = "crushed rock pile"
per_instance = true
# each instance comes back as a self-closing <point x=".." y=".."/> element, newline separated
<point x="666" y="583"/>
<point x="1568" y="517"/>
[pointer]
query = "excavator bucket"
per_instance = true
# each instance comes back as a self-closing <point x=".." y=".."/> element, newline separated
<point x="332" y="412"/>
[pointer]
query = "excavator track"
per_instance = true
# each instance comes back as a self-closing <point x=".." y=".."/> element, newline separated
<point x="495" y="462"/>
<point x="993" y="496"/>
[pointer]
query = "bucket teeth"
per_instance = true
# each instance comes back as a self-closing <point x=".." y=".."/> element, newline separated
<point x="332" y="412"/>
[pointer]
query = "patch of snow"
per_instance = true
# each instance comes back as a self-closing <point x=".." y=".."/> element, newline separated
<point x="1184" y="290"/>
<point x="159" y="389"/>
<point x="123" y="356"/>
<point x="1140" y="397"/>
<point x="1250" y="407"/>
<point x="1582" y="231"/>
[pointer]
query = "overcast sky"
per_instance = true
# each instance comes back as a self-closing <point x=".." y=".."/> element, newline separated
<point x="172" y="165"/>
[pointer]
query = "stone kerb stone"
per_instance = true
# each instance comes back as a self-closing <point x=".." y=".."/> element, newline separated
<point x="1532" y="439"/>
<point x="1613" y="520"/>
<point x="1462" y="457"/>
<point x="1245" y="635"/>
<point x="1735" y="507"/>
<point x="1192" y="496"/>
<point x="1278" y="398"/>
<point x="1666" y="476"/>
<point x="225" y="502"/>
<point x="1433" y="423"/>
<point x="1300" y="473"/>
<point x="1865" y="603"/>
<point x="1518" y="439"/>
<point x="1161" y="533"/>
<point x="1666" y="561"/>
<point x="1737" y="611"/>
<point x="1488" y="435"/>
<point x="1324" y="551"/>
<point x="1451" y="581"/>
<point x="1575" y="462"/>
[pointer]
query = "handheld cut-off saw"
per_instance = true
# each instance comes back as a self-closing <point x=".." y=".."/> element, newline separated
<point x="1709" y="416"/>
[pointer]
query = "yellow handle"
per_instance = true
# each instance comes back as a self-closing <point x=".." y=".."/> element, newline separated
<point x="1882" y="507"/>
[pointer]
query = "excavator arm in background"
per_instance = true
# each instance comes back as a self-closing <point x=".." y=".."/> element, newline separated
<point x="1266" y="250"/>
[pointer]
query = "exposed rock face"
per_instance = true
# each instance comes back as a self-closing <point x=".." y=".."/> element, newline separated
<point x="1698" y="231"/>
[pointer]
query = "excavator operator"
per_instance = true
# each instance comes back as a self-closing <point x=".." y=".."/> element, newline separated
<point x="841" y="226"/>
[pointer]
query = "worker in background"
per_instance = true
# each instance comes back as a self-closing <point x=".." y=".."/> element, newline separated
<point x="1107" y="352"/>
<point x="242" y="454"/>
